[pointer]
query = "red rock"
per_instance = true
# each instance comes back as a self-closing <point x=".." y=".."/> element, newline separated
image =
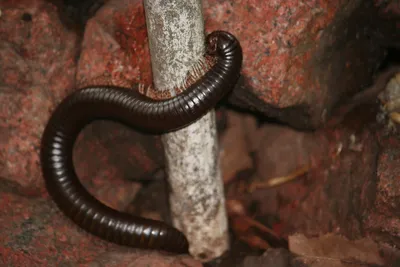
<point x="37" y="67"/>
<point x="299" y="58"/>
<point x="351" y="189"/>
<point x="384" y="222"/>
<point x="47" y="238"/>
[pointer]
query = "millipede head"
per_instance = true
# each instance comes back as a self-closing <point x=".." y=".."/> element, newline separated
<point x="219" y="41"/>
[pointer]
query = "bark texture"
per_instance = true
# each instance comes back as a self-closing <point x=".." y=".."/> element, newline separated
<point x="176" y="37"/>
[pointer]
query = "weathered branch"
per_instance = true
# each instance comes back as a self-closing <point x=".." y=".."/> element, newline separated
<point x="176" y="37"/>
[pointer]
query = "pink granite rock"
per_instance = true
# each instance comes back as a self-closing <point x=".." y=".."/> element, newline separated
<point x="35" y="233"/>
<point x="300" y="58"/>
<point x="37" y="67"/>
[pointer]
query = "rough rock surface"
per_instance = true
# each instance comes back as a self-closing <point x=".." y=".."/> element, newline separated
<point x="300" y="57"/>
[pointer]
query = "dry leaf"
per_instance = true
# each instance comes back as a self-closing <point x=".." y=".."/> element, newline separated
<point x="336" y="251"/>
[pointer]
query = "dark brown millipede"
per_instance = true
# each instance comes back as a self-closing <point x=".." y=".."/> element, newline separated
<point x="129" y="107"/>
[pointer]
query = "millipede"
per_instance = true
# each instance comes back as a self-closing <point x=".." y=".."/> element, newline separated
<point x="135" y="110"/>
